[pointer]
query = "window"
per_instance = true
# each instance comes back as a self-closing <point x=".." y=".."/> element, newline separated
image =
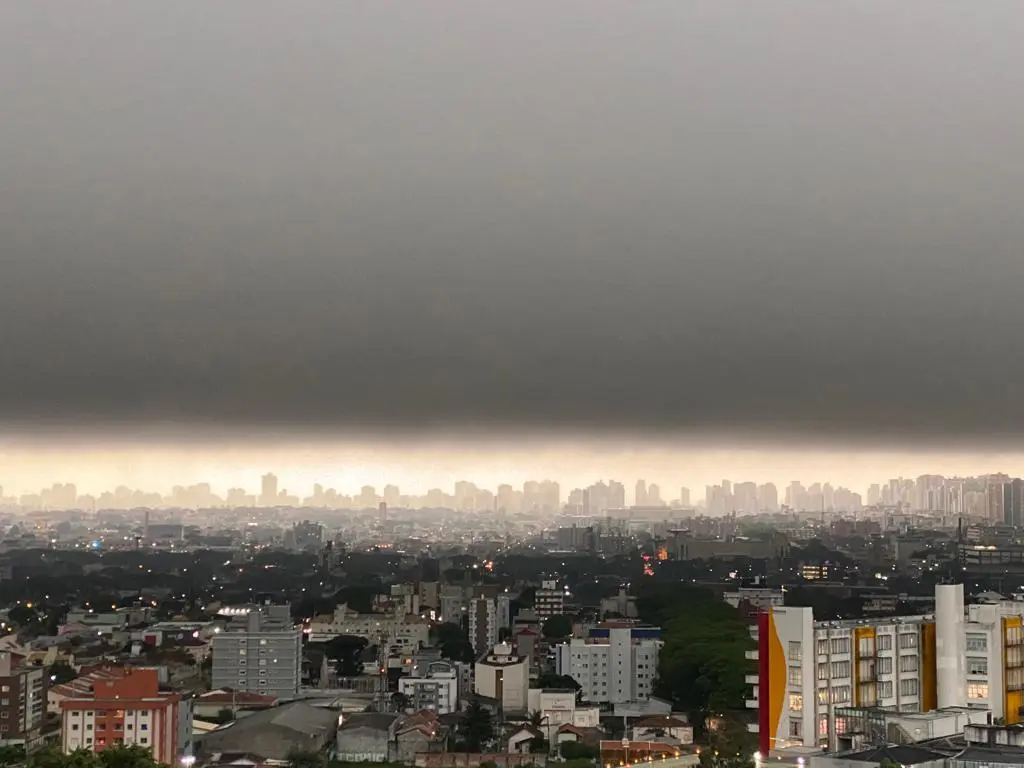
<point x="795" y="676"/>
<point x="796" y="650"/>
<point x="823" y="647"/>
<point x="908" y="663"/>
<point x="823" y="725"/>
<point x="976" y="642"/>
<point x="908" y="687"/>
<point x="796" y="729"/>
<point x="884" y="665"/>
<point x="823" y="671"/>
<point x="823" y="695"/>
<point x="840" y="669"/>
<point x="908" y="640"/>
<point x="796" y="702"/>
<point x="144" y="726"/>
<point x="884" y="642"/>
<point x="840" y="645"/>
<point x="885" y="689"/>
<point x="976" y="666"/>
<point x="144" y="740"/>
<point x="841" y="694"/>
<point x="977" y="690"/>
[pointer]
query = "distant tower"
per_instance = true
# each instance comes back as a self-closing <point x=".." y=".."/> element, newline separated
<point x="145" y="526"/>
<point x="268" y="490"/>
<point x="383" y="510"/>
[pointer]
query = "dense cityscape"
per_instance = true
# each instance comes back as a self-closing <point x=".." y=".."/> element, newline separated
<point x="577" y="384"/>
<point x="523" y="624"/>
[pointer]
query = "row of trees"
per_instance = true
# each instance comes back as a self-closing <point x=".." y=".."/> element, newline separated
<point x="702" y="666"/>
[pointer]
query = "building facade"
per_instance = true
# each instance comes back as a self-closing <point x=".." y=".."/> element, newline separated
<point x="614" y="664"/>
<point x="549" y="600"/>
<point x="810" y="674"/>
<point x="22" y="702"/>
<point x="437" y="690"/>
<point x="407" y="631"/>
<point x="260" y="651"/>
<point x="504" y="676"/>
<point x="129" y="710"/>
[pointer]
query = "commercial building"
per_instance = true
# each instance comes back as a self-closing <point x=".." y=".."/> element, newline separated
<point x="504" y="676"/>
<point x="22" y="702"/>
<point x="615" y="663"/>
<point x="130" y="710"/>
<point x="259" y="651"/>
<point x="812" y="674"/>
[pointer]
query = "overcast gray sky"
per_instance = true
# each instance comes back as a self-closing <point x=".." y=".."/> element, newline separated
<point x="768" y="218"/>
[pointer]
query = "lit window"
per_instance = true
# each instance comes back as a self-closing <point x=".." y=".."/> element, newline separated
<point x="796" y="702"/>
<point x="977" y="690"/>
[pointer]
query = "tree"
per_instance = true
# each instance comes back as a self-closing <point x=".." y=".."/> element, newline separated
<point x="477" y="727"/>
<point x="400" y="702"/>
<point x="347" y="650"/>
<point x="306" y="759"/>
<point x="120" y="756"/>
<point x="557" y="627"/>
<point x="702" y="666"/>
<point x="575" y="750"/>
<point x="225" y="715"/>
<point x="536" y="718"/>
<point x="61" y="672"/>
<point x="540" y="746"/>
<point x="454" y="643"/>
<point x="12" y="755"/>
<point x="52" y="757"/>
<point x="561" y="682"/>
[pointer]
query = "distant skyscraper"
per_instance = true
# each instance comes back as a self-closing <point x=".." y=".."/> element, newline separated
<point x="640" y="497"/>
<point x="268" y="490"/>
<point x="684" y="496"/>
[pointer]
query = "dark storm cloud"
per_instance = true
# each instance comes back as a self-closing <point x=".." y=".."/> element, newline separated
<point x="800" y="217"/>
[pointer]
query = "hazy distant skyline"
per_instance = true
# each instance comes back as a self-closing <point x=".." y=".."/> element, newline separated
<point x="771" y="220"/>
<point x="419" y="465"/>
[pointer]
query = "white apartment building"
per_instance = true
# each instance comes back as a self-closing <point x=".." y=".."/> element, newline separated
<point x="614" y="664"/>
<point x="810" y="674"/>
<point x="505" y="677"/>
<point x="549" y="600"/>
<point x="407" y="631"/>
<point x="437" y="689"/>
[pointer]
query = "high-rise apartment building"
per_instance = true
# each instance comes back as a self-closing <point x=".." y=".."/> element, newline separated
<point x="22" y="702"/>
<point x="549" y="600"/>
<point x="260" y="651"/>
<point x="814" y="675"/>
<point x="615" y="663"/>
<point x="483" y="624"/>
<point x="130" y="710"/>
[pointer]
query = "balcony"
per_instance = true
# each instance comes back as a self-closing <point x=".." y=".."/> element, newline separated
<point x="751" y="655"/>
<point x="752" y="679"/>
<point x="753" y="703"/>
<point x="753" y="728"/>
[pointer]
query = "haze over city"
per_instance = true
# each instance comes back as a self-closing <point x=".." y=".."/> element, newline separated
<point x="706" y="220"/>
